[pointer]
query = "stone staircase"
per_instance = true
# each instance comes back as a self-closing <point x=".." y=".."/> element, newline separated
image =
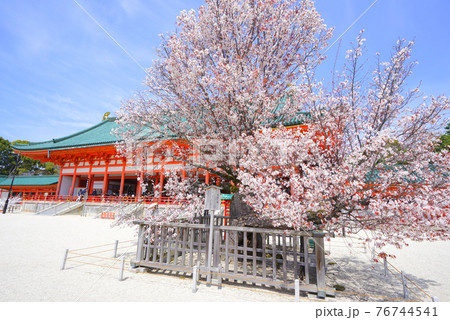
<point x="60" y="208"/>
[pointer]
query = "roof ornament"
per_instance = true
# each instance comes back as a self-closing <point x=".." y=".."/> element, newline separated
<point x="105" y="116"/>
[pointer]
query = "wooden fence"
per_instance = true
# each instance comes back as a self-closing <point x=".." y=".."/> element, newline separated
<point x="269" y="257"/>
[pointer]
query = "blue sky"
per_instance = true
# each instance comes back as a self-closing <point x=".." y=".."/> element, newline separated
<point x="59" y="72"/>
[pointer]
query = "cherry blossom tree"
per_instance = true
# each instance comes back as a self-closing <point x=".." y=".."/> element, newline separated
<point x="221" y="73"/>
<point x="367" y="161"/>
<point x="361" y="156"/>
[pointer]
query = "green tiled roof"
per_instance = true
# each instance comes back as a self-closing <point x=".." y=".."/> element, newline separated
<point x="299" y="118"/>
<point x="98" y="135"/>
<point x="101" y="134"/>
<point x="29" y="181"/>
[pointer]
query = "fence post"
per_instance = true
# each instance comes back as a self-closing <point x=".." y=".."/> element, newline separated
<point x="434" y="299"/>
<point x="385" y="267"/>
<point x="122" y="266"/>
<point x="219" y="279"/>
<point x="405" y="288"/>
<point x="140" y="242"/>
<point x="194" y="279"/>
<point x="320" y="265"/>
<point x="210" y="244"/>
<point x="115" y="248"/>
<point x="65" y="258"/>
<point x="216" y="248"/>
<point x="297" y="290"/>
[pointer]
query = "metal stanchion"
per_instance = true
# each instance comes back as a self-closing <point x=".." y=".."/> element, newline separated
<point x="65" y="259"/>
<point x="194" y="279"/>
<point x="297" y="290"/>
<point x="122" y="265"/>
<point x="115" y="248"/>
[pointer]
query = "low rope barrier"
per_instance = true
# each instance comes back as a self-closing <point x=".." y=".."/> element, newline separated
<point x="108" y="249"/>
<point x="375" y="296"/>
<point x="226" y="276"/>
<point x="102" y="245"/>
<point x="95" y="264"/>
<point x="407" y="278"/>
<point x="89" y="256"/>
<point x="399" y="278"/>
<point x="410" y="281"/>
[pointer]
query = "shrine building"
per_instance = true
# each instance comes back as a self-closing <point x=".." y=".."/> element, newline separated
<point x="91" y="166"/>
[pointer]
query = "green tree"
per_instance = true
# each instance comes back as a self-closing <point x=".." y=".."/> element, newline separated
<point x="445" y="140"/>
<point x="27" y="165"/>
<point x="7" y="157"/>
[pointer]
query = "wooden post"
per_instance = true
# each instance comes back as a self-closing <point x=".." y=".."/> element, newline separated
<point x="216" y="246"/>
<point x="385" y="267"/>
<point x="306" y="257"/>
<point x="297" y="290"/>
<point x="140" y="243"/>
<point x="219" y="277"/>
<point x="65" y="259"/>
<point x="434" y="299"/>
<point x="210" y="243"/>
<point x="320" y="266"/>
<point x="274" y="256"/>
<point x="122" y="265"/>
<point x="405" y="287"/>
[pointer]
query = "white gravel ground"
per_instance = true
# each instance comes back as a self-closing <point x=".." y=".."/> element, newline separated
<point x="32" y="249"/>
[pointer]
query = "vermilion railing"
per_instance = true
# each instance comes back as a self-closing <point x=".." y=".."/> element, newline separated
<point x="96" y="199"/>
<point x="116" y="199"/>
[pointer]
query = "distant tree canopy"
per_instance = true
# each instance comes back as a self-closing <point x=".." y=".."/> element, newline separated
<point x="27" y="165"/>
<point x="7" y="158"/>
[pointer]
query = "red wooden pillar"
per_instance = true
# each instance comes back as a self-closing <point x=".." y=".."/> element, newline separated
<point x="74" y="178"/>
<point x="72" y="187"/>
<point x="105" y="179"/>
<point x="89" y="183"/>
<point x="122" y="179"/>
<point x="139" y="188"/>
<point x="58" y="188"/>
<point x="207" y="177"/>
<point x="105" y="184"/>
<point x="161" y="182"/>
